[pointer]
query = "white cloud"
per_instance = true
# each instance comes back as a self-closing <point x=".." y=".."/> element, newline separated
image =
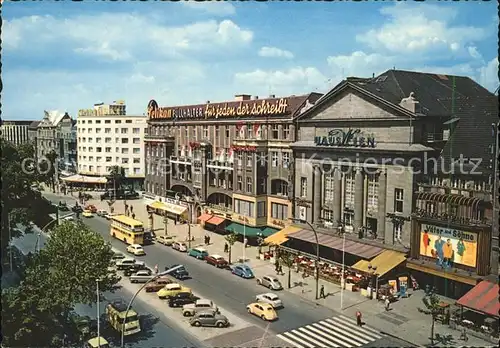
<point x="420" y="30"/>
<point x="358" y="64"/>
<point x="213" y="8"/>
<point x="474" y="53"/>
<point x="106" y="35"/>
<point x="275" y="52"/>
<point x="488" y="75"/>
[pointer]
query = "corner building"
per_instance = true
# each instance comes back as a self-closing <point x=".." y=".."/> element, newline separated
<point x="231" y="159"/>
<point x="366" y="156"/>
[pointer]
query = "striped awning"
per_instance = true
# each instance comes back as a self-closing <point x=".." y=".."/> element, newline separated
<point x="169" y="207"/>
<point x="281" y="236"/>
<point x="482" y="298"/>
<point x="204" y="217"/>
<point x="382" y="263"/>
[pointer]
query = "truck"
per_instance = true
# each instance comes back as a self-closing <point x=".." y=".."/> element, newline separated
<point x="191" y="309"/>
<point x="142" y="276"/>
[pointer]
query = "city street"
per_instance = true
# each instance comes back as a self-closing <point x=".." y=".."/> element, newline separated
<point x="300" y="319"/>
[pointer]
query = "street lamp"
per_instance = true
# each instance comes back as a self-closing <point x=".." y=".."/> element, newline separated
<point x="184" y="199"/>
<point x="137" y="293"/>
<point x="317" y="251"/>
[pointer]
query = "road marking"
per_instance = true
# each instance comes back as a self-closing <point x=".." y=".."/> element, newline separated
<point x="339" y="333"/>
<point x="284" y="338"/>
<point x="325" y="340"/>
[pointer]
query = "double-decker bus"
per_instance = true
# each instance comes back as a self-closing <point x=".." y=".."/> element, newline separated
<point x="126" y="229"/>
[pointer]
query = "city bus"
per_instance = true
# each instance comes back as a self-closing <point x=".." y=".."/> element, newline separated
<point x="126" y="229"/>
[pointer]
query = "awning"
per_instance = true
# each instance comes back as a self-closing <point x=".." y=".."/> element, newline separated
<point x="169" y="207"/>
<point x="384" y="262"/>
<point x="248" y="230"/>
<point x="85" y="179"/>
<point x="482" y="298"/>
<point x="204" y="217"/>
<point x="216" y="220"/>
<point x="268" y="231"/>
<point x="281" y="237"/>
<point x="364" y="251"/>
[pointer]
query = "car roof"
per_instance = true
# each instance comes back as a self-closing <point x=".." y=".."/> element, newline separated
<point x="272" y="277"/>
<point x="136" y="245"/>
<point x="207" y="311"/>
<point x="128" y="259"/>
<point x="263" y="304"/>
<point x="204" y="301"/>
<point x="216" y="256"/>
<point x="173" y="285"/>
<point x="200" y="249"/>
<point x="270" y="295"/>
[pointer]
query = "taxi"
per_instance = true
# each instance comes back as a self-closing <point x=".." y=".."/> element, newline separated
<point x="136" y="249"/>
<point x="265" y="311"/>
<point x="170" y="290"/>
<point x="87" y="213"/>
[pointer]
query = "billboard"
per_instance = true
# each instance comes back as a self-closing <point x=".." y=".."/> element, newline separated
<point x="448" y="245"/>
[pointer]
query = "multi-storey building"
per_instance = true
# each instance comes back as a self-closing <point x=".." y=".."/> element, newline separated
<point x="15" y="132"/>
<point x="108" y="137"/>
<point x="368" y="166"/>
<point x="54" y="134"/>
<point x="233" y="158"/>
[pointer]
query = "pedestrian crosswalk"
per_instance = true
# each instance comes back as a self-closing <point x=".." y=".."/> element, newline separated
<point x="333" y="332"/>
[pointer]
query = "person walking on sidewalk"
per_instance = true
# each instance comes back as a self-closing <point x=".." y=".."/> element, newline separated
<point x="226" y="248"/>
<point x="156" y="269"/>
<point x="358" y="318"/>
<point x="322" y="292"/>
<point x="208" y="240"/>
<point x="387" y="303"/>
<point x="245" y="242"/>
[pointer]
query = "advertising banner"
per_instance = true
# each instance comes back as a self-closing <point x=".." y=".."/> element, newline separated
<point x="403" y="285"/>
<point x="448" y="245"/>
<point x="394" y="284"/>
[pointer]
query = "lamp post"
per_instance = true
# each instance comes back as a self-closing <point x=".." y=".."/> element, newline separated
<point x="342" y="276"/>
<point x="189" y="219"/>
<point x="137" y="293"/>
<point x="317" y="251"/>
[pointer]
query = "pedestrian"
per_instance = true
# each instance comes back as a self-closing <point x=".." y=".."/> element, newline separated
<point x="208" y="240"/>
<point x="245" y="242"/>
<point x="205" y="238"/>
<point x="280" y="269"/>
<point x="277" y="266"/>
<point x="322" y="292"/>
<point x="387" y="303"/>
<point x="358" y="318"/>
<point x="133" y="215"/>
<point x="156" y="269"/>
<point x="226" y="247"/>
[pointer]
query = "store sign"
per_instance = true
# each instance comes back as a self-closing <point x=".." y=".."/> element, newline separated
<point x="279" y="223"/>
<point x="213" y="111"/>
<point x="448" y="245"/>
<point x="237" y="148"/>
<point x="349" y="138"/>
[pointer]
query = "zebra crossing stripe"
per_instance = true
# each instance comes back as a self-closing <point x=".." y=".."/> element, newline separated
<point x="322" y="343"/>
<point x="326" y="335"/>
<point x="307" y="338"/>
<point x="366" y="328"/>
<point x="340" y="332"/>
<point x="291" y="341"/>
<point x="359" y="331"/>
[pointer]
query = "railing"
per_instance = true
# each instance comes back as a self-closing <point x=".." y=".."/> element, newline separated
<point x="184" y="159"/>
<point x="434" y="136"/>
<point x="422" y="213"/>
<point x="216" y="163"/>
<point x="223" y="208"/>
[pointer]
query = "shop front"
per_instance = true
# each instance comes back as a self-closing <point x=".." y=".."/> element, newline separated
<point x="176" y="212"/>
<point x="278" y="212"/>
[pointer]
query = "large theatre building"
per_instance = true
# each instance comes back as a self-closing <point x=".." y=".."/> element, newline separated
<point x="231" y="161"/>
<point x="365" y="169"/>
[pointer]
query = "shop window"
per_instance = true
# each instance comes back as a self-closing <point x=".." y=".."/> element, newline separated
<point x="261" y="209"/>
<point x="279" y="211"/>
<point x="349" y="188"/>
<point x="303" y="187"/>
<point x="398" y="200"/>
<point x="398" y="231"/>
<point x="329" y="188"/>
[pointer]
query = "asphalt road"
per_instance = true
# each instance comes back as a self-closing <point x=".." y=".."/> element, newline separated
<point x="155" y="333"/>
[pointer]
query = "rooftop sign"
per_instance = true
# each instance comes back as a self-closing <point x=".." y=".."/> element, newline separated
<point x="349" y="138"/>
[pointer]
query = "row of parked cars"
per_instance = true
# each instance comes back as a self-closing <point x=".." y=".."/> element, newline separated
<point x="202" y="312"/>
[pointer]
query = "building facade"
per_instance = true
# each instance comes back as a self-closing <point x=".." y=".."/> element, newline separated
<point x="54" y="134"/>
<point x="370" y="160"/>
<point x="232" y="158"/>
<point x="107" y="137"/>
<point x="16" y="132"/>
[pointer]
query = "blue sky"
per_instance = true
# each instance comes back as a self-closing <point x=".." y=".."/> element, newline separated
<point x="68" y="56"/>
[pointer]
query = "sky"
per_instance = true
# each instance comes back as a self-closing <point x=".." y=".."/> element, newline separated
<point x="68" y="56"/>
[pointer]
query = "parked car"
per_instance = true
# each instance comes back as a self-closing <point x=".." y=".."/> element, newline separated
<point x="181" y="299"/>
<point x="209" y="318"/>
<point x="271" y="299"/>
<point x="165" y="240"/>
<point x="191" y="309"/>
<point x="91" y="208"/>
<point x="142" y="276"/>
<point x="242" y="271"/>
<point x="158" y="284"/>
<point x="199" y="253"/>
<point x="117" y="256"/>
<point x="179" y="246"/>
<point x="127" y="263"/>
<point x="263" y="310"/>
<point x="127" y="272"/>
<point x="180" y="273"/>
<point x="270" y="282"/>
<point x="101" y="213"/>
<point x="217" y="261"/>
<point x="136" y="249"/>
<point x="171" y="290"/>
<point x="87" y="214"/>
<point x="120" y="194"/>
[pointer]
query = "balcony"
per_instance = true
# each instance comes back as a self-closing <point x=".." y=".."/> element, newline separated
<point x="181" y="160"/>
<point x="160" y="138"/>
<point x="215" y="164"/>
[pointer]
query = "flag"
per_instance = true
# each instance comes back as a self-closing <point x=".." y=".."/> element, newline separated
<point x="231" y="155"/>
<point x="190" y="153"/>
<point x="257" y="131"/>
<point x="183" y="151"/>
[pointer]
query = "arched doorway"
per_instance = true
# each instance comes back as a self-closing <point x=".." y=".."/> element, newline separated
<point x="182" y="190"/>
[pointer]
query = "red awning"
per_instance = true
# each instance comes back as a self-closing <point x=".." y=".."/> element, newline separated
<point x="216" y="220"/>
<point x="364" y="251"/>
<point x="204" y="217"/>
<point x="482" y="298"/>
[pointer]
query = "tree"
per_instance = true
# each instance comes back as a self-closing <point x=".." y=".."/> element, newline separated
<point x="288" y="260"/>
<point x="231" y="239"/>
<point x="49" y="167"/>
<point x="432" y="304"/>
<point x="116" y="177"/>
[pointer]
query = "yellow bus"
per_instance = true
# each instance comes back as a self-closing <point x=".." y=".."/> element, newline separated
<point x="115" y="313"/>
<point x="126" y="229"/>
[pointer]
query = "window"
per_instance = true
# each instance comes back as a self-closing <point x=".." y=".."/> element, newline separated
<point x="262" y="188"/>
<point x="398" y="200"/>
<point x="349" y="188"/>
<point x="136" y="130"/>
<point x="240" y="158"/>
<point x="262" y="159"/>
<point x="90" y="140"/>
<point x="244" y="207"/>
<point x="107" y="140"/>
<point x="98" y="130"/>
<point x="107" y="149"/>
<point x="137" y="171"/>
<point x="398" y="231"/>
<point x="279" y="187"/>
<point x="227" y="132"/>
<point x="124" y="140"/>
<point x="125" y="151"/>
<point x="117" y="149"/>
<point x="348" y="220"/>
<point x="136" y="140"/>
<point x="98" y="140"/>
<point x="240" y="183"/>
<point x="137" y="160"/>
<point x="136" y="150"/>
<point x="91" y="158"/>
<point x="329" y="188"/>
<point x="195" y="133"/>
<point x="128" y="121"/>
<point x="303" y="187"/>
<point x="217" y="133"/>
<point x="89" y="121"/>
<point x="118" y="121"/>
<point x="274" y="158"/>
<point x="98" y="149"/>
<point x="279" y="211"/>
<point x="249" y="159"/>
<point x="98" y="159"/>
<point x="249" y="185"/>
<point x="125" y="160"/>
<point x="205" y="132"/>
<point x="261" y="209"/>
<point x="275" y="131"/>
<point x="124" y="131"/>
<point x="107" y="121"/>
<point x="286" y="159"/>
<point x="109" y="159"/>
<point x="373" y="188"/>
<point x="328" y="216"/>
<point x="91" y="149"/>
<point x="286" y="131"/>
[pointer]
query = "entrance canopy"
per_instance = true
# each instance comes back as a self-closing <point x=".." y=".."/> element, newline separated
<point x="482" y="298"/>
<point x="204" y="217"/>
<point x="81" y="179"/>
<point x="168" y="207"/>
<point x="384" y="262"/>
<point x="364" y="251"/>
<point x="281" y="237"/>
<point x="215" y="220"/>
<point x="249" y="231"/>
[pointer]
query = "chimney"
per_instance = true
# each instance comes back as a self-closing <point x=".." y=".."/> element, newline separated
<point x="272" y="96"/>
<point x="242" y="97"/>
<point x="208" y="102"/>
<point x="255" y="97"/>
<point x="410" y="103"/>
<point x="373" y="75"/>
